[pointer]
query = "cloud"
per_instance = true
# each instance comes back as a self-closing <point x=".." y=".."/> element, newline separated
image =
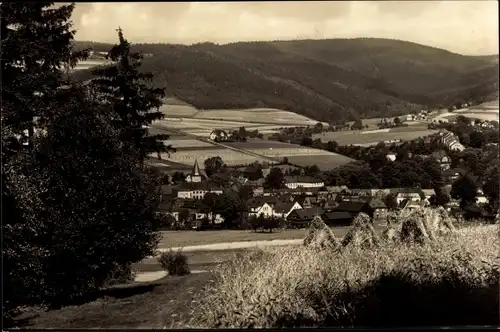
<point x="467" y="27"/>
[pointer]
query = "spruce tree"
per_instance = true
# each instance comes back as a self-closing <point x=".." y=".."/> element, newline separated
<point x="36" y="44"/>
<point x="90" y="204"/>
<point x="135" y="103"/>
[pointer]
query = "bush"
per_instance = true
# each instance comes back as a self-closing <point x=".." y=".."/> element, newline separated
<point x="266" y="223"/>
<point x="120" y="274"/>
<point x="449" y="281"/>
<point x="175" y="263"/>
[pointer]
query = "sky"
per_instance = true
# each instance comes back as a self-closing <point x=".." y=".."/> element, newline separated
<point x="465" y="27"/>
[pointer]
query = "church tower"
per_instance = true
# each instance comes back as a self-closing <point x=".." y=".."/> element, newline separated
<point x="195" y="175"/>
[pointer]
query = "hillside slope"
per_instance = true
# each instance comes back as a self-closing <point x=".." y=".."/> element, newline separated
<point x="328" y="80"/>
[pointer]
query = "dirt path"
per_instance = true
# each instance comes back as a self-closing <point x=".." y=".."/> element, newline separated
<point x="234" y="245"/>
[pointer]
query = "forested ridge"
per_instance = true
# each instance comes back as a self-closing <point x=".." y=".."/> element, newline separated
<point x="330" y="80"/>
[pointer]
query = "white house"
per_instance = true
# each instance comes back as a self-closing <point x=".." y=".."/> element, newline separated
<point x="196" y="190"/>
<point x="218" y="135"/>
<point x="294" y="182"/>
<point x="265" y="209"/>
<point x="481" y="198"/>
<point x="391" y="157"/>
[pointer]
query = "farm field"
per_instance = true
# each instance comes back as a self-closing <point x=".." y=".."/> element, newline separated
<point x="300" y="155"/>
<point x="325" y="162"/>
<point x="175" y="109"/>
<point x="89" y="63"/>
<point x="230" y="157"/>
<point x="357" y="138"/>
<point x="187" y="142"/>
<point x="267" y="115"/>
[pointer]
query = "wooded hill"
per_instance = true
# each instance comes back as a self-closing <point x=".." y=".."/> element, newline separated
<point x="329" y="80"/>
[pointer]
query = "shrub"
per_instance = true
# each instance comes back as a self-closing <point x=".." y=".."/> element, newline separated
<point x="264" y="222"/>
<point x="175" y="263"/>
<point x="120" y="274"/>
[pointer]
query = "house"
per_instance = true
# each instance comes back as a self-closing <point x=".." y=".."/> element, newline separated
<point x="293" y="182"/>
<point x="451" y="175"/>
<point x="361" y="192"/>
<point x="428" y="193"/>
<point x="451" y="141"/>
<point x="218" y="135"/>
<point x="196" y="190"/>
<point x="264" y="206"/>
<point x="379" y="208"/>
<point x="354" y="208"/>
<point x="195" y="176"/>
<point x="337" y="218"/>
<point x="338" y="189"/>
<point x="302" y="217"/>
<point x="410" y="205"/>
<point x="283" y="209"/>
<point x="390" y="156"/>
<point x="304" y="201"/>
<point x="442" y="158"/>
<point x="481" y="197"/>
<point x="411" y="196"/>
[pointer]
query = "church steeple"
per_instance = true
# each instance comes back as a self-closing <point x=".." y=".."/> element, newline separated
<point x="196" y="169"/>
<point x="195" y="175"/>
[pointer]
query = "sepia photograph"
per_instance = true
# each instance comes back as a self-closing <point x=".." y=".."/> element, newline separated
<point x="264" y="164"/>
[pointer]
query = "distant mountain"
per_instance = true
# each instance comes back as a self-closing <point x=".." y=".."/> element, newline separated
<point x="328" y="80"/>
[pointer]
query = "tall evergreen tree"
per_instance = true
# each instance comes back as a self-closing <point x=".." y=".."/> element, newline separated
<point x="36" y="43"/>
<point x="135" y="103"/>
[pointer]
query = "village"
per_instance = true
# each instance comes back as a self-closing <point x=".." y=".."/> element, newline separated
<point x="304" y="197"/>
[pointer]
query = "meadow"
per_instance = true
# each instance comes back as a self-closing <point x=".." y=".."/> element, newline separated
<point x="259" y="115"/>
<point x="230" y="157"/>
<point x="361" y="138"/>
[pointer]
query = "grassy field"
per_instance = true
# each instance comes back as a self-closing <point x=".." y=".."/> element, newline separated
<point x="267" y="115"/>
<point x="357" y="137"/>
<point x="230" y="157"/>
<point x="324" y="162"/>
<point x="173" y="239"/>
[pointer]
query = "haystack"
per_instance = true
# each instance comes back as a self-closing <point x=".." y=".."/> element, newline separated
<point x="413" y="228"/>
<point x="361" y="234"/>
<point x="320" y="236"/>
<point x="425" y="224"/>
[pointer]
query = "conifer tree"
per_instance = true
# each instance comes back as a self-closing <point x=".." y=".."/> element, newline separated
<point x="135" y="103"/>
<point x="36" y="43"/>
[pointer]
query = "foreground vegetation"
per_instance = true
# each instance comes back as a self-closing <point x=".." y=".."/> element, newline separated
<point x="451" y="280"/>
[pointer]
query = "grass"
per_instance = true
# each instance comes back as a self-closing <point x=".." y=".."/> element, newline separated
<point x="229" y="157"/>
<point x="174" y="239"/>
<point x="356" y="137"/>
<point x="451" y="281"/>
<point x="165" y="303"/>
<point x="324" y="162"/>
<point x="256" y="115"/>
